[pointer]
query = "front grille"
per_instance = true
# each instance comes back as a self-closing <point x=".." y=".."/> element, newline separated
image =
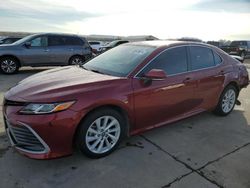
<point x="13" y="103"/>
<point x="23" y="138"/>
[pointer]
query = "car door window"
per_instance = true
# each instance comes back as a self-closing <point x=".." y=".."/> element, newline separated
<point x="201" y="57"/>
<point x="73" y="41"/>
<point x="172" y="61"/>
<point x="56" y="41"/>
<point x="39" y="42"/>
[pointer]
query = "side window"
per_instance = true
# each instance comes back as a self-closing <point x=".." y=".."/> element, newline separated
<point x="201" y="57"/>
<point x="73" y="41"/>
<point x="55" y="41"/>
<point x="217" y="59"/>
<point x="39" y="42"/>
<point x="248" y="44"/>
<point x="172" y="61"/>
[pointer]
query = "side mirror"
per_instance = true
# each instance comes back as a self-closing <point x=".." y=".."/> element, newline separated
<point x="156" y="74"/>
<point x="27" y="44"/>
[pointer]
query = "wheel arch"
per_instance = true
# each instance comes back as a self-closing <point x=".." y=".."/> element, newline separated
<point x="76" y="55"/>
<point x="115" y="107"/>
<point x="235" y="84"/>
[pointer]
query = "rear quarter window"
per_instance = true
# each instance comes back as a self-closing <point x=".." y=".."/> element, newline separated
<point x="217" y="59"/>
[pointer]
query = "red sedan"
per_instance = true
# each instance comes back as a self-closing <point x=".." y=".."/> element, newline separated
<point x="125" y="91"/>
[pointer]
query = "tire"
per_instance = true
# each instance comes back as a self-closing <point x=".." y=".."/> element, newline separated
<point x="227" y="101"/>
<point x="76" y="60"/>
<point x="97" y="142"/>
<point x="9" y="65"/>
<point x="243" y="55"/>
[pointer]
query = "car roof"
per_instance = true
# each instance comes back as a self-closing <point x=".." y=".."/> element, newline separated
<point x="59" y="34"/>
<point x="166" y="43"/>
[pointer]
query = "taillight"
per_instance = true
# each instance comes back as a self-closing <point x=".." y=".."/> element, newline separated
<point x="93" y="50"/>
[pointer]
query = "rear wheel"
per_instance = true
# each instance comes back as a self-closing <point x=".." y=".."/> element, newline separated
<point x="76" y="60"/>
<point x="227" y="101"/>
<point x="100" y="133"/>
<point x="9" y="65"/>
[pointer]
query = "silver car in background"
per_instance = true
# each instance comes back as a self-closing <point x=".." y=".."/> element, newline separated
<point x="48" y="49"/>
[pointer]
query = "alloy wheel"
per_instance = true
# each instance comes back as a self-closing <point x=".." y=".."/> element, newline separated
<point x="8" y="66"/>
<point x="77" y="61"/>
<point x="103" y="134"/>
<point x="228" y="100"/>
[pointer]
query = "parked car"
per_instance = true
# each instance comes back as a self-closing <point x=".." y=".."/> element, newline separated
<point x="239" y="48"/>
<point x="96" y="46"/>
<point x="238" y="58"/>
<point x="113" y="44"/>
<point x="9" y="40"/>
<point x="122" y="92"/>
<point x="44" y="50"/>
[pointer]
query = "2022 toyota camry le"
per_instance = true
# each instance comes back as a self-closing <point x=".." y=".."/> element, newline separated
<point x="125" y="91"/>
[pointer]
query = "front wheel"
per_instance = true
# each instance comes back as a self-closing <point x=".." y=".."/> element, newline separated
<point x="227" y="101"/>
<point x="100" y="133"/>
<point x="9" y="65"/>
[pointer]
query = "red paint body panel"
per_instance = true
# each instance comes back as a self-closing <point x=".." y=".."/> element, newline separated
<point x="147" y="105"/>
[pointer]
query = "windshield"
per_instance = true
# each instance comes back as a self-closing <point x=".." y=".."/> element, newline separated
<point x="119" y="61"/>
<point x="111" y="44"/>
<point x="24" y="39"/>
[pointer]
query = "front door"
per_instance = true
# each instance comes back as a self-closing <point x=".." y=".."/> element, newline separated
<point x="164" y="100"/>
<point x="37" y="53"/>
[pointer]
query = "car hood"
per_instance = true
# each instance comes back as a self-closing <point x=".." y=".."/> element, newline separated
<point x="57" y="83"/>
<point x="6" y="46"/>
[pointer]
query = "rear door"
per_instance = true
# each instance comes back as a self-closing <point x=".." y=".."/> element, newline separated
<point x="164" y="100"/>
<point x="60" y="51"/>
<point x="207" y="69"/>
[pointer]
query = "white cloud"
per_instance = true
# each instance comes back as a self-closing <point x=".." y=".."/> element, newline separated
<point x="162" y="18"/>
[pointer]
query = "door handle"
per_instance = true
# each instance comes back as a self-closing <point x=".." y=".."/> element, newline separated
<point x="186" y="80"/>
<point x="222" y="72"/>
<point x="46" y="50"/>
<point x="71" y="49"/>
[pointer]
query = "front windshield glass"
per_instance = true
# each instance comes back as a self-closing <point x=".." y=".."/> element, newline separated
<point x="111" y="44"/>
<point x="119" y="61"/>
<point x="24" y="39"/>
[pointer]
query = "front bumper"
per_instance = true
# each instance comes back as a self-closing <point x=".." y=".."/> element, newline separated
<point x="41" y="136"/>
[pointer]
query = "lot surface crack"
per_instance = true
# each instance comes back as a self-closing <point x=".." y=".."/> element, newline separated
<point x="183" y="163"/>
<point x="223" y="156"/>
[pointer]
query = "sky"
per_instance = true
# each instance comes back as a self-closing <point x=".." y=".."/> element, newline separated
<point x="204" y="19"/>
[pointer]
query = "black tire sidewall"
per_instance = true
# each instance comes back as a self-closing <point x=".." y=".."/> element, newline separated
<point x="82" y="131"/>
<point x="75" y="57"/>
<point x="12" y="59"/>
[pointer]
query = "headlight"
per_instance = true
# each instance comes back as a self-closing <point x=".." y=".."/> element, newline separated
<point x="45" y="108"/>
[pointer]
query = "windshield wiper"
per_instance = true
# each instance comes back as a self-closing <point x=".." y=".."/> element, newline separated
<point x="96" y="71"/>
